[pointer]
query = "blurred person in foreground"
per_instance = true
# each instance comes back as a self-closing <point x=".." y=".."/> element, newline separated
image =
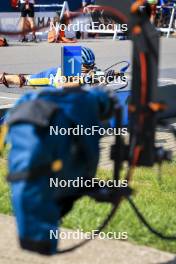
<point x="27" y="17"/>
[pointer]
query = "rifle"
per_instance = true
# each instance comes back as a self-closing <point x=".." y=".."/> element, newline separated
<point x="143" y="110"/>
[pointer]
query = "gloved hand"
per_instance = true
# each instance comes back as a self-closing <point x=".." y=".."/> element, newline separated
<point x="110" y="76"/>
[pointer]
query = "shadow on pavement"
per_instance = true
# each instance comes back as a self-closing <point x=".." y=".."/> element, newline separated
<point x="167" y="94"/>
<point x="169" y="262"/>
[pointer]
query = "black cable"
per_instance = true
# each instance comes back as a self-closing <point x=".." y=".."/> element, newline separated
<point x="115" y="64"/>
<point x="147" y="224"/>
<point x="121" y="88"/>
<point x="102" y="226"/>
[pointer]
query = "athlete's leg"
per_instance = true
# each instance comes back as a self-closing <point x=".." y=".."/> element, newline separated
<point x="31" y="20"/>
<point x="13" y="79"/>
<point x="32" y="25"/>
<point x="23" y="20"/>
<point x="42" y="78"/>
<point x="22" y="26"/>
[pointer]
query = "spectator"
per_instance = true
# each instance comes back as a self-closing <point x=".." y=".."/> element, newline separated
<point x="66" y="35"/>
<point x="27" y="10"/>
<point x="63" y="35"/>
<point x="3" y="42"/>
<point x="153" y="9"/>
<point x="165" y="13"/>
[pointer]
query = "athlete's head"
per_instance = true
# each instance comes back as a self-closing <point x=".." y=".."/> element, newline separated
<point x="88" y="59"/>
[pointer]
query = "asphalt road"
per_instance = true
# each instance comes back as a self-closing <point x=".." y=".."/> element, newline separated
<point x="99" y="251"/>
<point x="35" y="57"/>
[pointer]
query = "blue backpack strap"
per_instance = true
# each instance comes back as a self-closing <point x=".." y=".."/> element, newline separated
<point x="37" y="112"/>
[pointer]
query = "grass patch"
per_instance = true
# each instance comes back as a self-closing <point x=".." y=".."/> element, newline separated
<point x="156" y="201"/>
<point x="5" y="205"/>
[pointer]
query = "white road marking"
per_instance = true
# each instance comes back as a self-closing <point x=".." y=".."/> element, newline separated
<point x="9" y="98"/>
<point x="167" y="80"/>
<point x="161" y="82"/>
<point x="6" y="106"/>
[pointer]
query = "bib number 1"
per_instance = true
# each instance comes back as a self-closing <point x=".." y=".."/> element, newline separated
<point x="71" y="61"/>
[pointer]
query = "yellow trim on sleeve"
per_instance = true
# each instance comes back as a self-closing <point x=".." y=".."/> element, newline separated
<point x="57" y="78"/>
<point x="39" y="81"/>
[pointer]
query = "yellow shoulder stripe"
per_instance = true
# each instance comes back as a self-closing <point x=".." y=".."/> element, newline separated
<point x="39" y="81"/>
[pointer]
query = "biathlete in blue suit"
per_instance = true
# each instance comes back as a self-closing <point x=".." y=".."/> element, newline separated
<point x="53" y="76"/>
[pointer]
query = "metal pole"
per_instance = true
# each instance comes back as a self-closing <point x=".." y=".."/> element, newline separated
<point x="171" y="21"/>
<point x="63" y="10"/>
<point x="115" y="34"/>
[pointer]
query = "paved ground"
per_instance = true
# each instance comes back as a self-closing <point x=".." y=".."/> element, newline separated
<point x="97" y="251"/>
<point x="32" y="58"/>
<point x="164" y="138"/>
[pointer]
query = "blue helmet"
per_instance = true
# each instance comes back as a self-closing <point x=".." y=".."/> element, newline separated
<point x="88" y="57"/>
